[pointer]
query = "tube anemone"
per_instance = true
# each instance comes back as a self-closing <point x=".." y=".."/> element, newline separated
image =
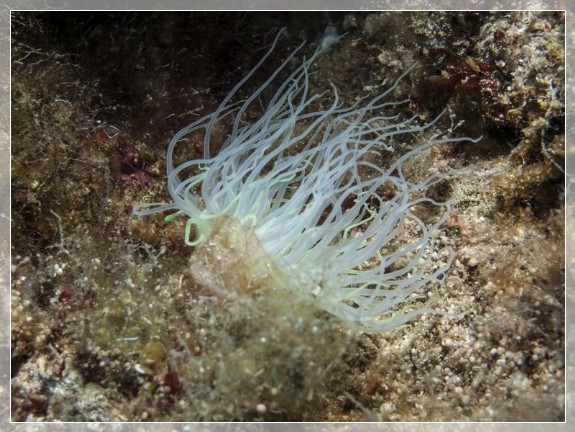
<point x="296" y="179"/>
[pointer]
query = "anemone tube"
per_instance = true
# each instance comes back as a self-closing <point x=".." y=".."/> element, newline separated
<point x="288" y="177"/>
